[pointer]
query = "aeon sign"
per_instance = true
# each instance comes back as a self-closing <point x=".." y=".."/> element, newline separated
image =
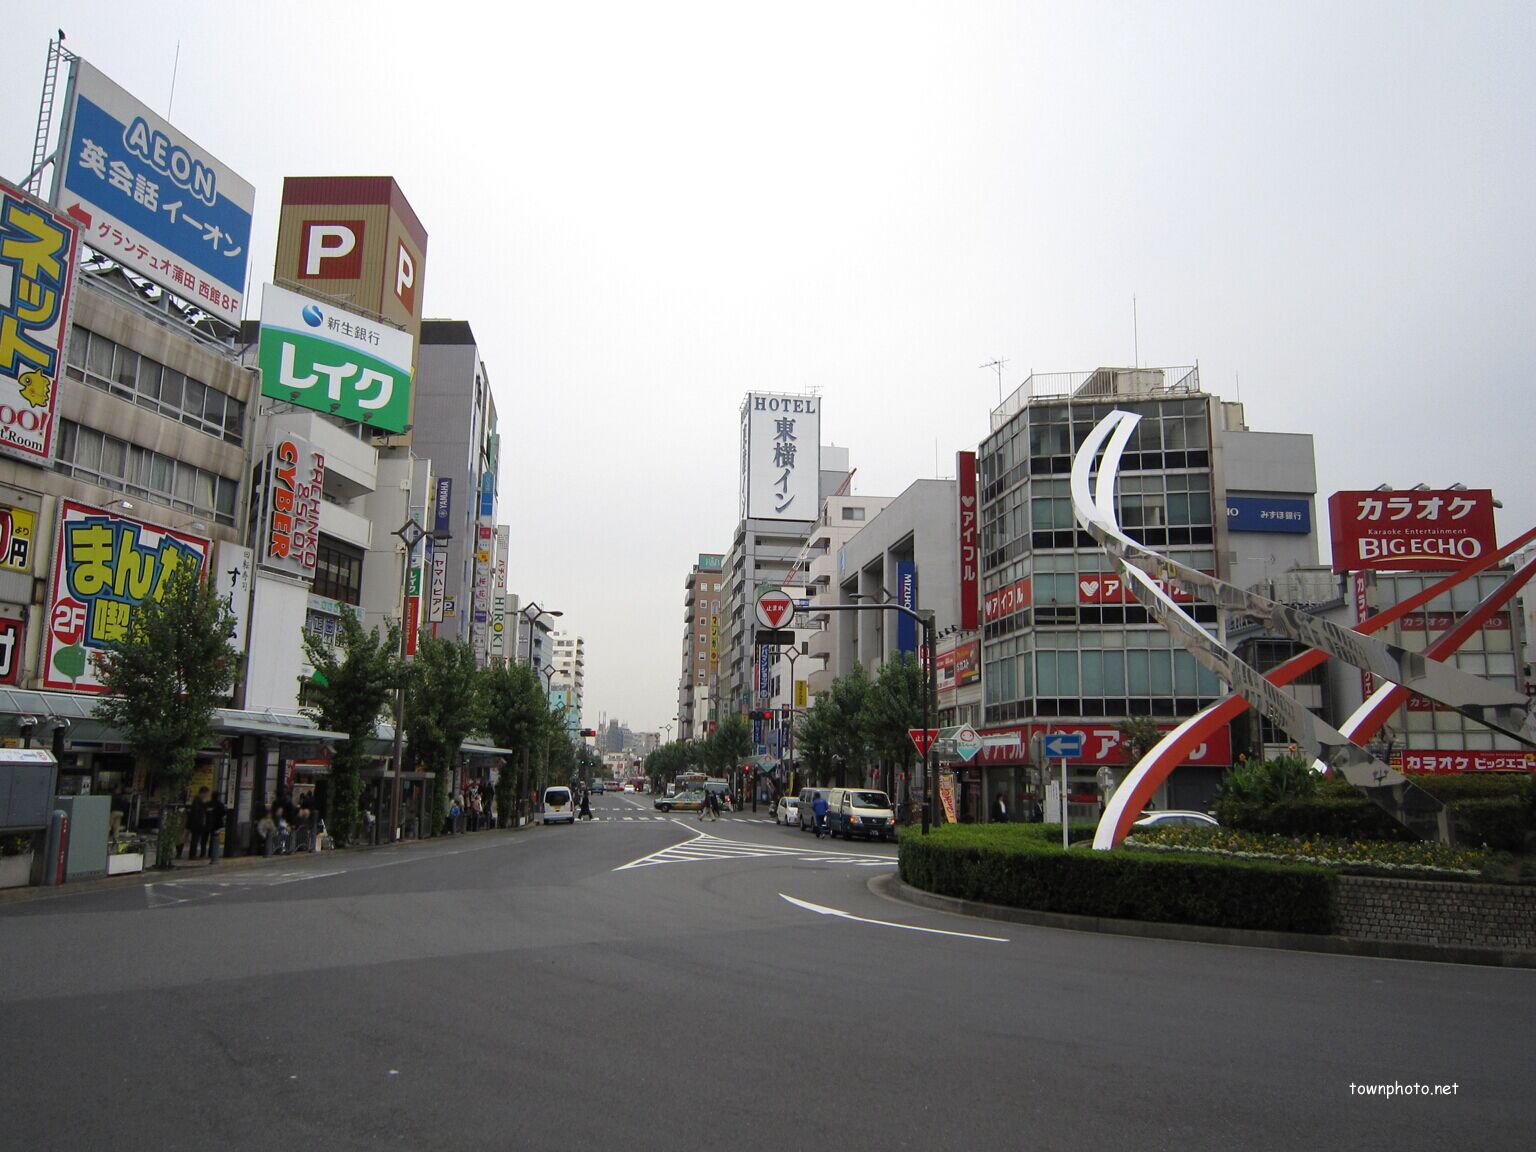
<point x="1416" y="530"/>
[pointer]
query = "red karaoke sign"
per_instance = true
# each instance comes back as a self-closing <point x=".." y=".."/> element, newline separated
<point x="1418" y="530"/>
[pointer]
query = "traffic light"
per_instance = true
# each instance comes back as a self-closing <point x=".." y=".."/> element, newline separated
<point x="766" y="715"/>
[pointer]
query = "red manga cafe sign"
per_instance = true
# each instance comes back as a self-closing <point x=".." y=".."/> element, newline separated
<point x="1412" y="531"/>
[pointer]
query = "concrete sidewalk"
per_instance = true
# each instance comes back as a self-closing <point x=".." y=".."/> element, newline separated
<point x="188" y="869"/>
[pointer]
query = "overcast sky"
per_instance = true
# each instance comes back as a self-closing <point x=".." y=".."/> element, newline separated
<point x="647" y="210"/>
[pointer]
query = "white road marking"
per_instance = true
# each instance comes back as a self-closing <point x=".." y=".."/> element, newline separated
<point x="841" y="915"/>
<point x="706" y="846"/>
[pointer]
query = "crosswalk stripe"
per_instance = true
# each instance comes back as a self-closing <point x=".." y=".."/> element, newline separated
<point x="705" y="846"/>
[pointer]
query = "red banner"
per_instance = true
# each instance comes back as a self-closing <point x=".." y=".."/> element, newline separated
<point x="412" y="618"/>
<point x="1362" y="610"/>
<point x="1106" y="588"/>
<point x="1006" y="601"/>
<point x="969" y="519"/>
<point x="1461" y="760"/>
<point x="1101" y="744"/>
<point x="959" y="666"/>
<point x="1413" y="531"/>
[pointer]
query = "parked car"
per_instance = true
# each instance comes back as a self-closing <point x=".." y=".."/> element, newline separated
<point x="1175" y="817"/>
<point x="807" y="801"/>
<point x="559" y="805"/>
<point x="860" y="812"/>
<point x="683" y="802"/>
<point x="787" y="811"/>
<point x="597" y="787"/>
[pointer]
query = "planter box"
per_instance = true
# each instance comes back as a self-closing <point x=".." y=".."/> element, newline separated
<point x="16" y="871"/>
<point x="121" y="862"/>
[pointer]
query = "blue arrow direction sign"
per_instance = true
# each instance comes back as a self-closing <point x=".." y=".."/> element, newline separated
<point x="1064" y="745"/>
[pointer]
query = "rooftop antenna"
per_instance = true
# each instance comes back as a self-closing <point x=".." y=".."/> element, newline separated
<point x="997" y="366"/>
<point x="175" y="64"/>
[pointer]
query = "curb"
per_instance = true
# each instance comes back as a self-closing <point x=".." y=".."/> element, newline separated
<point x="894" y="888"/>
<point x="192" y="871"/>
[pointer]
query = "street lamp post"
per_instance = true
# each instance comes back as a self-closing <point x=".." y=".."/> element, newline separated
<point x="411" y="534"/>
<point x="531" y="614"/>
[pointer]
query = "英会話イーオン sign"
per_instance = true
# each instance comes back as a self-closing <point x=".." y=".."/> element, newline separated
<point x="151" y="199"/>
<point x="38" y="254"/>
<point x="321" y="357"/>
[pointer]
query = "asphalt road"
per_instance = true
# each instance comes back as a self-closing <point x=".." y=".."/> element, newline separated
<point x="647" y="983"/>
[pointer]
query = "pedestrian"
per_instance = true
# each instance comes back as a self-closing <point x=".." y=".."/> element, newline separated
<point x="1000" y="809"/>
<point x="450" y="825"/>
<point x="819" y="810"/>
<point x="218" y="814"/>
<point x="474" y="808"/>
<point x="266" y="832"/>
<point x="586" y="804"/>
<point x="197" y="824"/>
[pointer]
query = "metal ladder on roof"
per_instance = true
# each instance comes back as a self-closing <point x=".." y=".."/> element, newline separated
<point x="56" y="55"/>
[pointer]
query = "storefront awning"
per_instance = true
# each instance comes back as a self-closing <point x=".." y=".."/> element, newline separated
<point x="84" y="725"/>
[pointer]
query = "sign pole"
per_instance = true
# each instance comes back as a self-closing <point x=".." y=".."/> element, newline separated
<point x="1063" y="803"/>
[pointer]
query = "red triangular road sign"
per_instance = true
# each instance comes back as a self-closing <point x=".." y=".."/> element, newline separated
<point x="923" y="738"/>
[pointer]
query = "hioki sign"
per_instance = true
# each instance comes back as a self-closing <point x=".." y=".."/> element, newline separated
<point x="775" y="608"/>
<point x="1416" y="530"/>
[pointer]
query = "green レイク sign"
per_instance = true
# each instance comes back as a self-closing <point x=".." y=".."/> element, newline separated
<point x="320" y="357"/>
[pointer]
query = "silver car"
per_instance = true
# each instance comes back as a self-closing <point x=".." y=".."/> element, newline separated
<point x="787" y="810"/>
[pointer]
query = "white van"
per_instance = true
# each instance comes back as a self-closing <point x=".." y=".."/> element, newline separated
<point x="860" y="812"/>
<point x="559" y="805"/>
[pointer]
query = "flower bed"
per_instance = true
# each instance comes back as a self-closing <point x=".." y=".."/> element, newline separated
<point x="1376" y="855"/>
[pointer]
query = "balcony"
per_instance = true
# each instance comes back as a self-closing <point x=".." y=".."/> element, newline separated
<point x="351" y="465"/>
<point x="341" y="524"/>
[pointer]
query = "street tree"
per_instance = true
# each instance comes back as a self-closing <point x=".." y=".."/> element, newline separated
<point x="731" y="743"/>
<point x="514" y="711"/>
<point x="349" y="692"/>
<point x="892" y="707"/>
<point x="845" y="719"/>
<point x="443" y="705"/>
<point x="165" y="679"/>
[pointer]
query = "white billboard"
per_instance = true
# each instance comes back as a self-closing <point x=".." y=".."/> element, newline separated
<point x="150" y="198"/>
<point x="780" y="457"/>
<point x="295" y="482"/>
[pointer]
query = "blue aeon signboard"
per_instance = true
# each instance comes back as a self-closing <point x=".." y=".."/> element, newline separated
<point x="148" y="197"/>
<point x="1269" y="514"/>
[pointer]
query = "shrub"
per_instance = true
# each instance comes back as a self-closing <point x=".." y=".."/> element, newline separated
<point x="1487" y="811"/>
<point x="1024" y="869"/>
<point x="1354" y="855"/>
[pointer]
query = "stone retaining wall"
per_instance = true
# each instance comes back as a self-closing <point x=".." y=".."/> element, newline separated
<point x="1430" y="912"/>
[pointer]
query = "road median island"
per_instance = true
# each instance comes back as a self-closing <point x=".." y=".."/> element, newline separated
<point x="1022" y="866"/>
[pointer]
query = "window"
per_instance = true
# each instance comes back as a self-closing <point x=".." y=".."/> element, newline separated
<point x="339" y="572"/>
<point x="114" y="463"/>
<point x="99" y="362"/>
<point x="851" y="513"/>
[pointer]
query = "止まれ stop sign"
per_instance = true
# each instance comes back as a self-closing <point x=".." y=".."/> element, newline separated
<point x="774" y="608"/>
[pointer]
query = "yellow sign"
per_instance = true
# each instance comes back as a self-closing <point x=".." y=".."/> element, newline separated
<point x="18" y="529"/>
<point x="947" y="795"/>
<point x="801" y="695"/>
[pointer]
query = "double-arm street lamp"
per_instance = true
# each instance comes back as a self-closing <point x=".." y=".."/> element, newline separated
<point x="530" y="615"/>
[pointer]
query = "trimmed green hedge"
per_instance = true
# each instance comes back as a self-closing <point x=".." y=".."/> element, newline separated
<point x="1488" y="810"/>
<point x="1019" y="866"/>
